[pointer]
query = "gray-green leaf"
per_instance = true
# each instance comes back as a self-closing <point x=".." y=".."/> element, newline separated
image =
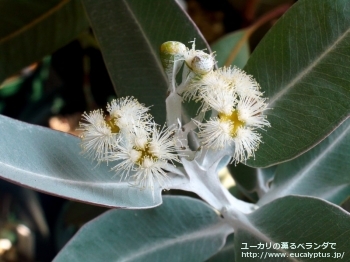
<point x="293" y="219"/>
<point x="303" y="67"/>
<point x="182" y="229"/>
<point x="51" y="162"/>
<point x="227" y="253"/>
<point x="323" y="172"/>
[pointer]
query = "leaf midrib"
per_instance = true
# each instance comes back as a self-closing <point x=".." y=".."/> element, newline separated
<point x="144" y="35"/>
<point x="245" y="224"/>
<point x="66" y="181"/>
<point x="307" y="70"/>
<point x="296" y="178"/>
<point x="218" y="228"/>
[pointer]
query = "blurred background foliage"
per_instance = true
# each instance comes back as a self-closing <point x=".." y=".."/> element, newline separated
<point x="53" y="84"/>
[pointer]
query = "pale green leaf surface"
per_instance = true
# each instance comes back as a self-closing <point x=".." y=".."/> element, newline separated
<point x="322" y="172"/>
<point x="130" y="34"/>
<point x="294" y="219"/>
<point x="181" y="229"/>
<point x="303" y="66"/>
<point x="226" y="44"/>
<point x="30" y="30"/>
<point x="51" y="162"/>
<point x="227" y="253"/>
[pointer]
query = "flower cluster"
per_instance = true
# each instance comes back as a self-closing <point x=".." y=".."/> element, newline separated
<point x="130" y="137"/>
<point x="236" y="101"/>
<point x="143" y="150"/>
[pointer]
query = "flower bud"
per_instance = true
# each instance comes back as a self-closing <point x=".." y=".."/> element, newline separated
<point x="202" y="63"/>
<point x="170" y="51"/>
<point x="172" y="47"/>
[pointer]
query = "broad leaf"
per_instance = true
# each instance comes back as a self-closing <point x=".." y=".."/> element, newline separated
<point x="182" y="229"/>
<point x="323" y="172"/>
<point x="51" y="162"/>
<point x="300" y="220"/>
<point x="30" y="30"/>
<point x="227" y="253"/>
<point x="301" y="65"/>
<point x="226" y="44"/>
<point x="130" y="34"/>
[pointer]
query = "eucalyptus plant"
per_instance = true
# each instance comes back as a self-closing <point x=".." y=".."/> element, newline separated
<point x="280" y="124"/>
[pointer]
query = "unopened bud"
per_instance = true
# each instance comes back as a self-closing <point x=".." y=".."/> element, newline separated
<point x="202" y="63"/>
<point x="172" y="47"/>
<point x="170" y="51"/>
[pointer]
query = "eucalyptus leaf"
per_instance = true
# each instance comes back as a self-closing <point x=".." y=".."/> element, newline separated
<point x="301" y="65"/>
<point x="293" y="219"/>
<point x="322" y="172"/>
<point x="227" y="253"/>
<point x="130" y="34"/>
<point x="51" y="162"/>
<point x="30" y="30"/>
<point x="226" y="44"/>
<point x="182" y="229"/>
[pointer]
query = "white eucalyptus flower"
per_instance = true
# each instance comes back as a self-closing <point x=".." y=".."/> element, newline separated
<point x="250" y="111"/>
<point x="213" y="91"/>
<point x="240" y="81"/>
<point x="236" y="123"/>
<point x="163" y="144"/>
<point x="223" y="131"/>
<point x="246" y="143"/>
<point x="204" y="84"/>
<point x="100" y="133"/>
<point x="98" y="137"/>
<point x="222" y="100"/>
<point x="125" y="113"/>
<point x="144" y="158"/>
<point x="214" y="133"/>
